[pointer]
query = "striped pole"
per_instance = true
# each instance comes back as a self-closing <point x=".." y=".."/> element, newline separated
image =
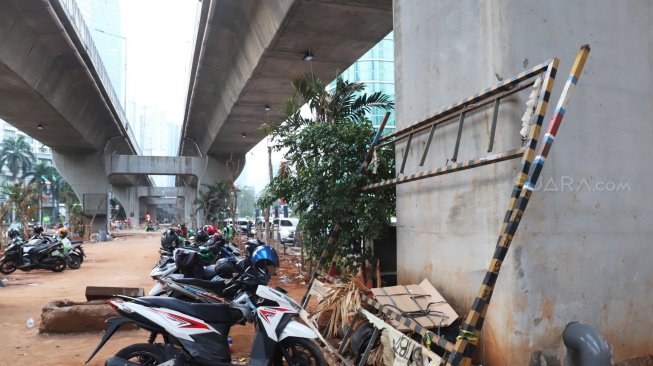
<point x="471" y="329"/>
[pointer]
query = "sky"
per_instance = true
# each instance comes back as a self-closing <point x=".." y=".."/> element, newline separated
<point x="160" y="42"/>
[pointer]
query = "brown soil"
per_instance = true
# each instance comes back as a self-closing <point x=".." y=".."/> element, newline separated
<point x="125" y="262"/>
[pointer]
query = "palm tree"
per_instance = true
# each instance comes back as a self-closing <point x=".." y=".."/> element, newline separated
<point x="16" y="154"/>
<point x="23" y="198"/>
<point x="345" y="103"/>
<point x="39" y="172"/>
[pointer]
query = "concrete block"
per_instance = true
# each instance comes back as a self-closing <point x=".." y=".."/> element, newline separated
<point x="98" y="293"/>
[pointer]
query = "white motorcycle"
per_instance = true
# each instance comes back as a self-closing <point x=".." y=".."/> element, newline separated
<point x="196" y="334"/>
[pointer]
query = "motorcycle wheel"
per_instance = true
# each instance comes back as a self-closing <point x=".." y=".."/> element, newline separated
<point x="73" y="261"/>
<point x="7" y="266"/>
<point x="142" y="354"/>
<point x="80" y="253"/>
<point x="299" y="352"/>
<point x="60" y="265"/>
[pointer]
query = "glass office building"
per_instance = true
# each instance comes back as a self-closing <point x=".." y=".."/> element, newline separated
<point x="377" y="70"/>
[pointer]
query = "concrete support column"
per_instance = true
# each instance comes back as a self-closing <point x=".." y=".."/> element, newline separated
<point x="85" y="174"/>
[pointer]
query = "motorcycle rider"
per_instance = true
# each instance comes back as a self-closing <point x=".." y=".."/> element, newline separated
<point x="65" y="240"/>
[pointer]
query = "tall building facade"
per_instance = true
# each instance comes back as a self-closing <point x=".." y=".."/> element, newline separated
<point x="377" y="70"/>
<point x="157" y="135"/>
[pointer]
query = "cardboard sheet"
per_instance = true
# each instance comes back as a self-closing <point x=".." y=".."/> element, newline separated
<point x="421" y="303"/>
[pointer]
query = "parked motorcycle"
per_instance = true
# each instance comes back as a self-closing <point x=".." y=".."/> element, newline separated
<point x="224" y="269"/>
<point x="26" y="258"/>
<point x="197" y="334"/>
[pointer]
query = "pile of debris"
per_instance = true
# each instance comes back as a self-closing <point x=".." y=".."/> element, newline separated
<point x="383" y="326"/>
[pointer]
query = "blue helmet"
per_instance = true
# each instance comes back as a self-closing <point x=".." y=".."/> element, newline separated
<point x="265" y="255"/>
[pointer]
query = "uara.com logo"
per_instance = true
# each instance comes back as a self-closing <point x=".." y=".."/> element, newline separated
<point x="566" y="183"/>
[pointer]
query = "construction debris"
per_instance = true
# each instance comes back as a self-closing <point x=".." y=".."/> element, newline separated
<point x="422" y="303"/>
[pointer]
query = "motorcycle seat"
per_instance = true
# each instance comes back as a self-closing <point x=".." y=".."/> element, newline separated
<point x="211" y="313"/>
<point x="40" y="247"/>
<point x="216" y="287"/>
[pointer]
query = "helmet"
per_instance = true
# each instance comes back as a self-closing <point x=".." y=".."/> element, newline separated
<point x="252" y="244"/>
<point x="38" y="229"/>
<point x="201" y="236"/>
<point x="264" y="256"/>
<point x="191" y="232"/>
<point x="63" y="232"/>
<point x="13" y="233"/>
<point x="168" y="238"/>
<point x="217" y="235"/>
<point x="209" y="229"/>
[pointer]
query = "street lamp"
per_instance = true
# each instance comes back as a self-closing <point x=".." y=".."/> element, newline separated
<point x="125" y="63"/>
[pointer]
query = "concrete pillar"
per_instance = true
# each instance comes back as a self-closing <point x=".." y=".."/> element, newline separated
<point x="578" y="252"/>
<point x="85" y="174"/>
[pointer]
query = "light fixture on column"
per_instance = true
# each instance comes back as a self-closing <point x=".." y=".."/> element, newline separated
<point x="39" y="126"/>
<point x="244" y="135"/>
<point x="308" y="56"/>
<point x="267" y="108"/>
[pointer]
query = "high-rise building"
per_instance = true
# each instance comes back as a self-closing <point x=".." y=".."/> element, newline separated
<point x="377" y="70"/>
<point x="157" y="135"/>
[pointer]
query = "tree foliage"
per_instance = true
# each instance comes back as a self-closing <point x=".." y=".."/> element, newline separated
<point x="213" y="201"/>
<point x="323" y="156"/>
<point x="16" y="154"/>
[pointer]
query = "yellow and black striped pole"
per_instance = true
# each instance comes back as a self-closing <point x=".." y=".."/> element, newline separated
<point x="471" y="329"/>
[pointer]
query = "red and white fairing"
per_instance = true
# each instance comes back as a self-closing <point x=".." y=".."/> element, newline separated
<point x="178" y="324"/>
<point x="271" y="316"/>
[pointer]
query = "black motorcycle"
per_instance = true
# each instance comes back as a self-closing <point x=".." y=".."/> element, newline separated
<point x="46" y="255"/>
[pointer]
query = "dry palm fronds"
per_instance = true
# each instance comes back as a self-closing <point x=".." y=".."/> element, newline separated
<point x="341" y="303"/>
<point x="376" y="356"/>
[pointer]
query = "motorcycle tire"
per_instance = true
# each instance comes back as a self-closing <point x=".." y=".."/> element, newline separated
<point x="60" y="265"/>
<point x="142" y="354"/>
<point x="299" y="352"/>
<point x="7" y="266"/>
<point x="73" y="261"/>
<point x="80" y="253"/>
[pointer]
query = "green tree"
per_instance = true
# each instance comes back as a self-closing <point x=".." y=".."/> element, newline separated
<point x="323" y="158"/>
<point x="246" y="201"/>
<point x="24" y="198"/>
<point x="213" y="202"/>
<point x="16" y="154"/>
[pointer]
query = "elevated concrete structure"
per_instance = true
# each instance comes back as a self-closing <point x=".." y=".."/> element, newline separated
<point x="179" y="197"/>
<point x="248" y="51"/>
<point x="582" y="252"/>
<point x="155" y="165"/>
<point x="53" y="87"/>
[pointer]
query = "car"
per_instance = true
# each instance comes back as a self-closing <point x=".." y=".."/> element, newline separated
<point x="286" y="227"/>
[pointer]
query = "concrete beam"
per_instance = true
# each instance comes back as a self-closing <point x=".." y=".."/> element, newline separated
<point x="248" y="51"/>
<point x="159" y="201"/>
<point x="48" y="78"/>
<point x="155" y="165"/>
<point x="162" y="192"/>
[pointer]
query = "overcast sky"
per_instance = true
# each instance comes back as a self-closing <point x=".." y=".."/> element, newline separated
<point x="160" y="41"/>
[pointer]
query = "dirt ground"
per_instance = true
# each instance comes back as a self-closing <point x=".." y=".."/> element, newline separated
<point x="124" y="262"/>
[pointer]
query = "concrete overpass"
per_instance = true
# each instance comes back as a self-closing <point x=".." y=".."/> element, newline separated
<point x="248" y="51"/>
<point x="54" y="87"/>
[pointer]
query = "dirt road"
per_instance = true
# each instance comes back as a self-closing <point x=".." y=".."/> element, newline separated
<point x="124" y="262"/>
